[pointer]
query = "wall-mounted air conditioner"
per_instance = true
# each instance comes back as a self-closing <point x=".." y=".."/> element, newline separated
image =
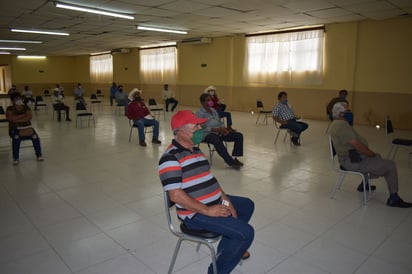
<point x="197" y="41"/>
<point x="121" y="50"/>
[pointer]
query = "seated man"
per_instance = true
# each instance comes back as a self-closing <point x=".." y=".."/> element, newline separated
<point x="132" y="93"/>
<point x="341" y="98"/>
<point x="58" y="104"/>
<point x="27" y="95"/>
<point x="219" y="106"/>
<point x="19" y="117"/>
<point x="347" y="141"/>
<point x="121" y="98"/>
<point x="169" y="98"/>
<point x="200" y="201"/>
<point x="79" y="94"/>
<point x="283" y="114"/>
<point x="140" y="114"/>
<point x="215" y="133"/>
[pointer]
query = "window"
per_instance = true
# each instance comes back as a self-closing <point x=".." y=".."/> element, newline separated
<point x="285" y="58"/>
<point x="101" y="68"/>
<point x="158" y="65"/>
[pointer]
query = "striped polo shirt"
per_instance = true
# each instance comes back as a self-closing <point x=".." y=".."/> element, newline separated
<point x="189" y="171"/>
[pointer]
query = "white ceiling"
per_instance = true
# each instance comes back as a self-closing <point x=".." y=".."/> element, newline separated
<point x="201" y="18"/>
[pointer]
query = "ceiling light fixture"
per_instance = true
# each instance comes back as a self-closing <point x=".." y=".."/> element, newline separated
<point x="31" y="56"/>
<point x="4" y="52"/>
<point x="21" y="41"/>
<point x="11" y="48"/>
<point x="40" y="32"/>
<point x="92" y="10"/>
<point x="100" y="53"/>
<point x="161" y="30"/>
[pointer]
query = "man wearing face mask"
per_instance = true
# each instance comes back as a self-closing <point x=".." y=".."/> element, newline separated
<point x="283" y="114"/>
<point x="19" y="117"/>
<point x="348" y="144"/>
<point x="343" y="93"/>
<point x="201" y="203"/>
<point x="140" y="114"/>
<point x="216" y="133"/>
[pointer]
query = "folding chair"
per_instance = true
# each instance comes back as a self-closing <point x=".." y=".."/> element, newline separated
<point x="342" y="173"/>
<point x="261" y="111"/>
<point x="147" y="129"/>
<point x="95" y="101"/>
<point x="155" y="109"/>
<point x="200" y="237"/>
<point x="99" y="93"/>
<point x="279" y="129"/>
<point x="40" y="103"/>
<point x="82" y="112"/>
<point x="397" y="142"/>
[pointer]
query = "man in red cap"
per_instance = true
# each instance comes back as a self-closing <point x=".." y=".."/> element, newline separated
<point x="200" y="201"/>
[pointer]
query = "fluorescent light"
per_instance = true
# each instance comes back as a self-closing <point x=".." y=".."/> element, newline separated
<point x="92" y="10"/>
<point x="100" y="53"/>
<point x="21" y="41"/>
<point x="159" y="45"/>
<point x="4" y="52"/>
<point x="31" y="56"/>
<point x="11" y="48"/>
<point x="40" y="32"/>
<point x="161" y="30"/>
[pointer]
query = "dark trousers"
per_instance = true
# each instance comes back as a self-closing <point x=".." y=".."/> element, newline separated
<point x="296" y="127"/>
<point x="217" y="141"/>
<point x="171" y="101"/>
<point x="16" y="140"/>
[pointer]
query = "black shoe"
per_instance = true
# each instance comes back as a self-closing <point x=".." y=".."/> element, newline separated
<point x="156" y="141"/>
<point x="235" y="166"/>
<point x="142" y="143"/>
<point x="398" y="203"/>
<point x="295" y="141"/>
<point x="238" y="162"/>
<point x="360" y="187"/>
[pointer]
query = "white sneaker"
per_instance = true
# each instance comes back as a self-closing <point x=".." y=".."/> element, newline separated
<point x="40" y="159"/>
<point x="15" y="162"/>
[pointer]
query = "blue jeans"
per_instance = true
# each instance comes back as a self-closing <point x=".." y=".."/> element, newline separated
<point x="295" y="126"/>
<point x="226" y="114"/>
<point x="237" y="234"/>
<point x="16" y="140"/>
<point x="141" y="123"/>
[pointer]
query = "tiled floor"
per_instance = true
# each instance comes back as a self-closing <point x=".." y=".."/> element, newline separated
<point x="95" y="204"/>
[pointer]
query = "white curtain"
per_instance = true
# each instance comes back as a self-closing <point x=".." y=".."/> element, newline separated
<point x="158" y="65"/>
<point x="101" y="68"/>
<point x="286" y="58"/>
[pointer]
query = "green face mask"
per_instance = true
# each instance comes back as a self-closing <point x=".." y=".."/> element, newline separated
<point x="197" y="137"/>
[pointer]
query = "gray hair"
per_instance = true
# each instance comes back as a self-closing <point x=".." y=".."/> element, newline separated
<point x="338" y="108"/>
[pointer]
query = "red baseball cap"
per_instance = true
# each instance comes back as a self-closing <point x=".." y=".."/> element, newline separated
<point x="183" y="117"/>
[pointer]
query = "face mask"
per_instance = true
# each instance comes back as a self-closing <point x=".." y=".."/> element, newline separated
<point x="343" y="96"/>
<point x="348" y="117"/>
<point x="197" y="137"/>
<point x="210" y="103"/>
<point x="285" y="102"/>
<point x="19" y="102"/>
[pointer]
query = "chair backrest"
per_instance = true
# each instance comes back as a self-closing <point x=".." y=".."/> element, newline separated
<point x="39" y="98"/>
<point x="46" y="92"/>
<point x="98" y="91"/>
<point x="93" y="96"/>
<point x="259" y="104"/>
<point x="152" y="102"/>
<point x="332" y="151"/>
<point x="2" y="110"/>
<point x="388" y="126"/>
<point x="80" y="106"/>
<point x="168" y="206"/>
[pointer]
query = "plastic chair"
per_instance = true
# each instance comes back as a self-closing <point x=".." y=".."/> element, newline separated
<point x="261" y="111"/>
<point x="200" y="237"/>
<point x="397" y="142"/>
<point x="82" y="112"/>
<point x="46" y="93"/>
<point x="147" y="129"/>
<point x="342" y="173"/>
<point x="99" y="93"/>
<point x="153" y="107"/>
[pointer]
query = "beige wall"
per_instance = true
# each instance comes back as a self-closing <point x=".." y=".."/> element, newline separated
<point x="371" y="59"/>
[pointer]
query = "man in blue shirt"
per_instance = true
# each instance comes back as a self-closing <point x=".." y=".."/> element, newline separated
<point x="113" y="91"/>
